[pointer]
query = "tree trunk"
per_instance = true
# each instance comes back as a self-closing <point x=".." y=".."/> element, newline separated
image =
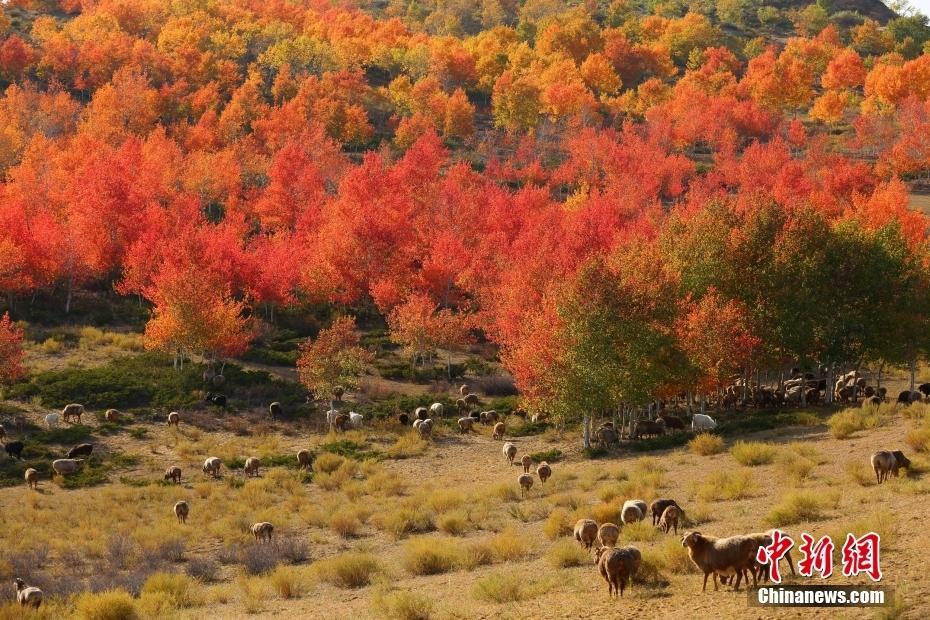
<point x="828" y="392"/>
<point x="68" y="296"/>
<point x="703" y="402"/>
<point x="586" y="433"/>
<point x="913" y="370"/>
<point x="881" y="368"/>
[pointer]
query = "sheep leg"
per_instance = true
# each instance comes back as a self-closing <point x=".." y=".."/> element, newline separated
<point x="739" y="577"/>
<point x="704" y="589"/>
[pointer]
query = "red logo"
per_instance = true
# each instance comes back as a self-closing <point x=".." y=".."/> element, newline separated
<point x="817" y="556"/>
<point x="860" y="555"/>
<point x="771" y="554"/>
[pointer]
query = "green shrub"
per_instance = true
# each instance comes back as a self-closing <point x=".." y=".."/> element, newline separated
<point x="549" y="456"/>
<point x="796" y="507"/>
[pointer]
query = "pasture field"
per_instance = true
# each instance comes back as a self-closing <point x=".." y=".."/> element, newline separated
<point x="387" y="525"/>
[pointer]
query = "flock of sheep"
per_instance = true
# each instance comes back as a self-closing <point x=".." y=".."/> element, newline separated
<point x="723" y="558"/>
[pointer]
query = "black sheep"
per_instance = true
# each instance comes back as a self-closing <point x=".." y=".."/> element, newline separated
<point x="924" y="388"/>
<point x="14" y="449"/>
<point x="905" y="397"/>
<point x="83" y="449"/>
<point x="404" y="419"/>
<point x="218" y="400"/>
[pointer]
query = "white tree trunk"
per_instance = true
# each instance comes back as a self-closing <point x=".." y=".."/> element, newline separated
<point x="586" y="432"/>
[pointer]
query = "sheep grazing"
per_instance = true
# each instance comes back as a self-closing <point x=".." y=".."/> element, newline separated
<point x="27" y="596"/>
<point x="262" y="531"/>
<point x="527" y="462"/>
<point x="658" y="506"/>
<point x="673" y="422"/>
<point x="586" y="532"/>
<point x="510" y="452"/>
<point x="669" y="519"/>
<point x="631" y="512"/>
<point x="461" y="405"/>
<point x="83" y="449"/>
<point x="544" y="472"/>
<point x="212" y="466"/>
<point x="32" y="478"/>
<point x="341" y="422"/>
<point x="275" y="411"/>
<point x="763" y="539"/>
<point x="721" y="556"/>
<point x="463" y="389"/>
<point x="174" y="419"/>
<point x="924" y="388"/>
<point x="52" y="420"/>
<point x="356" y="420"/>
<point x="421" y="413"/>
<point x="404" y="419"/>
<point x="471" y="399"/>
<point x="526" y="483"/>
<point x="173" y="473"/>
<point x="73" y="410"/>
<point x="181" y="510"/>
<point x="436" y="410"/>
<point x="499" y="429"/>
<point x="465" y="424"/>
<point x="426" y="429"/>
<point x="885" y="462"/>
<point x="304" y="459"/>
<point x="416" y="423"/>
<point x="648" y="427"/>
<point x="606" y="436"/>
<point x="872" y="400"/>
<point x="251" y="466"/>
<point x="217" y="400"/>
<point x="608" y="534"/>
<point x="14" y="449"/>
<point x="701" y="422"/>
<point x="617" y="566"/>
<point x="488" y="417"/>
<point x="63" y="467"/>
<point x="474" y="415"/>
<point x="111" y="415"/>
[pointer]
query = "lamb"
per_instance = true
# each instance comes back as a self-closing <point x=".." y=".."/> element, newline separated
<point x="465" y="424"/>
<point x="251" y="466"/>
<point x="631" y="512"/>
<point x="608" y="534"/>
<point x="174" y="418"/>
<point x="885" y="462"/>
<point x="304" y="459"/>
<point x="721" y="556"/>
<point x="617" y="566"/>
<point x="73" y="410"/>
<point x="436" y="410"/>
<point x="463" y="389"/>
<point x="471" y="399"/>
<point x="356" y="420"/>
<point x="702" y="422"/>
<point x="510" y="452"/>
<point x="32" y="478"/>
<point x="527" y="462"/>
<point x="658" y="506"/>
<point x="52" y="420"/>
<point x="83" y="449"/>
<point x="63" y="467"/>
<point x="669" y="519"/>
<point x="212" y="466"/>
<point x="417" y="423"/>
<point x="586" y="532"/>
<point x="262" y="531"/>
<point x="173" y="473"/>
<point x="526" y="483"/>
<point x="275" y="410"/>
<point x="461" y="405"/>
<point x="181" y="510"/>
<point x="499" y="429"/>
<point x="27" y="596"/>
<point x="14" y="449"/>
<point x="647" y="427"/>
<point x="111" y="415"/>
<point x="421" y="413"/>
<point x="404" y="419"/>
<point x="341" y="422"/>
<point x="544" y="472"/>
<point x="426" y="428"/>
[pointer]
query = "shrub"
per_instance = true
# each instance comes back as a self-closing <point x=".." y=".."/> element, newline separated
<point x="408" y="445"/>
<point x="566" y="554"/>
<point x="641" y="531"/>
<point x="293" y="549"/>
<point x="179" y="589"/>
<point x="402" y="605"/>
<point x="476" y="553"/>
<point x="728" y="485"/>
<point x="606" y="512"/>
<point x="109" y="605"/>
<point x="796" y="507"/>
<point x="549" y="456"/>
<point x="327" y="462"/>
<point x="348" y="570"/>
<point x="503" y="588"/>
<point x="508" y="546"/>
<point x="846" y="422"/>
<point x="859" y="473"/>
<point x="344" y="523"/>
<point x="753" y="453"/>
<point x="558" y="524"/>
<point x="455" y="523"/>
<point x="669" y="556"/>
<point x="405" y="521"/>
<point x="287" y="582"/>
<point x="794" y="468"/>
<point x="204" y="569"/>
<point x="919" y="438"/>
<point x="429" y="556"/>
<point x="258" y="559"/>
<point x="706" y="444"/>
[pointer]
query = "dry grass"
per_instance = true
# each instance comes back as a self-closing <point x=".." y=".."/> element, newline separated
<point x="348" y="570"/>
<point x="797" y="507"/>
<point x="558" y="524"/>
<point x="848" y="421"/>
<point x="859" y="473"/>
<point x="288" y="582"/>
<point x="568" y="553"/>
<point x="669" y="556"/>
<point x="407" y="446"/>
<point x="109" y="605"/>
<point x="505" y="587"/>
<point x="430" y="555"/>
<point x="753" y="453"/>
<point x="706" y="444"/>
<point x="402" y="605"/>
<point x="729" y="484"/>
<point x="641" y="531"/>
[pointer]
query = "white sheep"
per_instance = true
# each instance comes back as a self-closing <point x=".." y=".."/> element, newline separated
<point x="174" y="418"/>
<point x="510" y="452"/>
<point x="499" y="430"/>
<point x="111" y="415"/>
<point x="355" y="420"/>
<point x="173" y="473"/>
<point x="181" y="510"/>
<point x="426" y="428"/>
<point x="32" y="478"/>
<point x="633" y="510"/>
<point x="466" y="424"/>
<point x="608" y="534"/>
<point x="27" y="596"/>
<point x="251" y="466"/>
<point x="73" y="410"/>
<point x="262" y="531"/>
<point x="64" y="467"/>
<point x="586" y="532"/>
<point x="212" y="466"/>
<point x="435" y="410"/>
<point x="702" y="422"/>
<point x="52" y="420"/>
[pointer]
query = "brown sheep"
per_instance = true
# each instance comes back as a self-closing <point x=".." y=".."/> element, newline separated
<point x="262" y="531"/>
<point x="658" y="506"/>
<point x="764" y="539"/>
<point x="174" y="418"/>
<point x="669" y="519"/>
<point x="173" y="473"/>
<point x="488" y="417"/>
<point x="32" y="478"/>
<point x="617" y="566"/>
<point x="111" y="415"/>
<point x="721" y="556"/>
<point x="466" y="424"/>
<point x="73" y="410"/>
<point x="426" y="429"/>
<point x="885" y="462"/>
<point x="181" y="510"/>
<point x="544" y="472"/>
<point x="608" y="534"/>
<point x="586" y="532"/>
<point x="526" y="483"/>
<point x="30" y="596"/>
<point x="647" y="427"/>
<point x="275" y="410"/>
<point x="510" y="452"/>
<point x="251" y="466"/>
<point x="499" y="429"/>
<point x="527" y="462"/>
<point x="341" y="422"/>
<point x="304" y="459"/>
